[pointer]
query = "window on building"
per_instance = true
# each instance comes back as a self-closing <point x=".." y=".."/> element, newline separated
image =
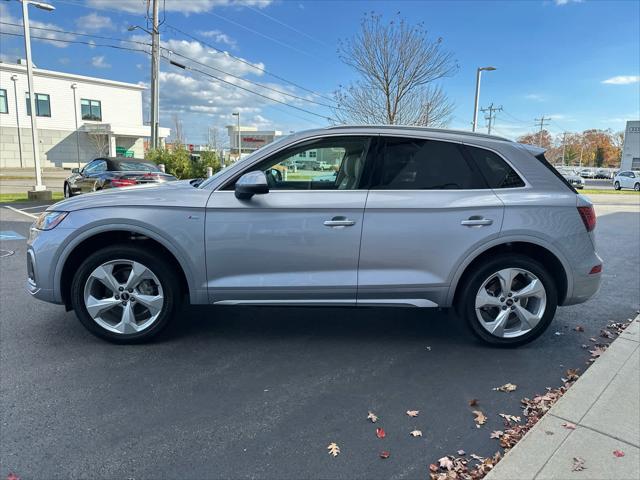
<point x="313" y="154"/>
<point x="302" y="154"/>
<point x="91" y="109"/>
<point x="43" y="105"/>
<point x="4" y="106"/>
<point x="419" y="164"/>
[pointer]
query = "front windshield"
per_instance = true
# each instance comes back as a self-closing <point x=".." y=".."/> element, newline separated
<point x="247" y="158"/>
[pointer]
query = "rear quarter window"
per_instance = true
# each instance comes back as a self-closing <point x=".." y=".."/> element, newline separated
<point x="494" y="169"/>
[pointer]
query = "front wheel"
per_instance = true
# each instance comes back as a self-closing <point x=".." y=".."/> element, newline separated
<point x="125" y="294"/>
<point x="636" y="187"/>
<point x="509" y="300"/>
<point x="616" y="185"/>
<point x="67" y="191"/>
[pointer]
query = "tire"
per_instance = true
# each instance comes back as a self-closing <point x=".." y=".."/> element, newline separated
<point x="487" y="271"/>
<point x="616" y="185"/>
<point x="67" y="191"/>
<point x="636" y="187"/>
<point x="160" y="289"/>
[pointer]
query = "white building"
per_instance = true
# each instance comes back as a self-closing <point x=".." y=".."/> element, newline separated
<point x="78" y="118"/>
<point x="251" y="138"/>
<point x="631" y="149"/>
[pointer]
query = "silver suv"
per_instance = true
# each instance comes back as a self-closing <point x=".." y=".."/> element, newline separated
<point x="411" y="217"/>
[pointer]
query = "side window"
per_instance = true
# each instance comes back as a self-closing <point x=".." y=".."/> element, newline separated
<point x="96" y="166"/>
<point x="494" y="169"/>
<point x="419" y="164"/>
<point x="336" y="164"/>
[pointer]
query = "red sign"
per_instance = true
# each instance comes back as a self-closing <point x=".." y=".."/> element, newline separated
<point x="191" y="147"/>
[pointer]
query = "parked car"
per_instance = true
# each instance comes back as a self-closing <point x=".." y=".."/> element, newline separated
<point x="413" y="217"/>
<point x="112" y="172"/>
<point x="627" y="179"/>
<point x="587" y="173"/>
<point x="575" y="180"/>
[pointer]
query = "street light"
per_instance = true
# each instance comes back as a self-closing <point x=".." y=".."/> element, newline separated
<point x="14" y="79"/>
<point x="475" y="107"/>
<point x="74" y="87"/>
<point x="38" y="187"/>
<point x="237" y="114"/>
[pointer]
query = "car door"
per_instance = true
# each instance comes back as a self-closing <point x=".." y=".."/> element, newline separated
<point x="428" y="208"/>
<point x="91" y="175"/>
<point x="630" y="179"/>
<point x="298" y="243"/>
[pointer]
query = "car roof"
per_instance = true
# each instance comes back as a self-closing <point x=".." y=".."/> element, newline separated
<point x="444" y="132"/>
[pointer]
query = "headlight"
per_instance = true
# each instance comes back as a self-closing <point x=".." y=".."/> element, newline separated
<point x="49" y="220"/>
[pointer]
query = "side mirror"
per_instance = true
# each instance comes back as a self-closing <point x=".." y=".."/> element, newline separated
<point x="75" y="170"/>
<point x="250" y="184"/>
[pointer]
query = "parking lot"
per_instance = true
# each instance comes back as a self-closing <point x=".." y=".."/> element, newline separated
<point x="245" y="392"/>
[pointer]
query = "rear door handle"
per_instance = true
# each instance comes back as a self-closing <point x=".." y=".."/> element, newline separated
<point x="339" y="222"/>
<point x="476" y="222"/>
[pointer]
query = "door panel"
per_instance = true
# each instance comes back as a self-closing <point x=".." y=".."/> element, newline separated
<point x="413" y="240"/>
<point x="276" y="248"/>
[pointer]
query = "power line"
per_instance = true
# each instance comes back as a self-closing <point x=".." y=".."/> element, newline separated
<point x="516" y="118"/>
<point x="242" y="60"/>
<point x="80" y="42"/>
<point x="492" y="116"/>
<point x="542" y="121"/>
<point x="186" y="67"/>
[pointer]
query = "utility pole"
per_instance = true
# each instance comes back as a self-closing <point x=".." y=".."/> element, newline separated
<point x="564" y="145"/>
<point x="542" y="125"/>
<point x="155" y="72"/>
<point x="492" y="116"/>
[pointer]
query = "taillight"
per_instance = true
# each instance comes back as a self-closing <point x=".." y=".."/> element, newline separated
<point x="123" y="182"/>
<point x="588" y="215"/>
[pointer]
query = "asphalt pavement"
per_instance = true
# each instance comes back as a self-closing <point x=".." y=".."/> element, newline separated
<point x="239" y="392"/>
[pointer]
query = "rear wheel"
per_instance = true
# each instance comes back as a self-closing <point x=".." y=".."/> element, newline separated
<point x="124" y="294"/>
<point x="509" y="300"/>
<point x="636" y="187"/>
<point x="616" y="185"/>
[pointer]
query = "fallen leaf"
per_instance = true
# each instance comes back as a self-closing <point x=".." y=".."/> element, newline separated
<point x="334" y="449"/>
<point x="572" y="374"/>
<point x="473" y="402"/>
<point x="12" y="476"/>
<point x="445" y="462"/>
<point x="579" y="328"/>
<point x="429" y="349"/>
<point x="578" y="464"/>
<point x="584" y="346"/>
<point x="606" y="334"/>
<point x="477" y="457"/>
<point x="593" y="339"/>
<point x="507" y="387"/>
<point x="618" y="453"/>
<point x="433" y="467"/>
<point x="569" y="425"/>
<point x="373" y="417"/>
<point x="559" y="333"/>
<point x="496" y="434"/>
<point x="461" y="452"/>
<point x="416" y="433"/>
<point x="509" y="418"/>
<point x="384" y="454"/>
<point x="413" y="413"/>
<point x="480" y="419"/>
<point x="380" y="433"/>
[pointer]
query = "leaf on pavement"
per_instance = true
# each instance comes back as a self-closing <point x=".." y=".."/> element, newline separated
<point x="461" y="452"/>
<point x="578" y="464"/>
<point x="334" y="449"/>
<point x="373" y="417"/>
<point x="380" y="433"/>
<point x="413" y="413"/>
<point x="507" y="387"/>
<point x="480" y="419"/>
<point x="384" y="454"/>
<point x="510" y="418"/>
<point x="496" y="434"/>
<point x="572" y="375"/>
<point x="579" y="328"/>
<point x="416" y="433"/>
<point x="12" y="476"/>
<point x="618" y="453"/>
<point x="473" y="402"/>
<point x="433" y="468"/>
<point x="445" y="462"/>
<point x="569" y="425"/>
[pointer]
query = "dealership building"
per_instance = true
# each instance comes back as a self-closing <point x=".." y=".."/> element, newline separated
<point x="78" y="118"/>
<point x="251" y="138"/>
<point x="631" y="149"/>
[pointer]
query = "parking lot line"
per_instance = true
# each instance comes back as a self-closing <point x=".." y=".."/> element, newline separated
<point x="20" y="211"/>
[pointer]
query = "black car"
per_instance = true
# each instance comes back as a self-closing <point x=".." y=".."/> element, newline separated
<point x="113" y="172"/>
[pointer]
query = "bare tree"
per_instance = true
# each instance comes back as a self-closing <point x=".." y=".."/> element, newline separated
<point x="178" y="134"/>
<point x="398" y="64"/>
<point x="99" y="139"/>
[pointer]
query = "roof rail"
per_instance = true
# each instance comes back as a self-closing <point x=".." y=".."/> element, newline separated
<point x="422" y="129"/>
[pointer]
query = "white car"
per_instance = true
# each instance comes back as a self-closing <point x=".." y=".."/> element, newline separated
<point x="627" y="179"/>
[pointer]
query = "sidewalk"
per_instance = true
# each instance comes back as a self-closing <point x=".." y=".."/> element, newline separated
<point x="604" y="405"/>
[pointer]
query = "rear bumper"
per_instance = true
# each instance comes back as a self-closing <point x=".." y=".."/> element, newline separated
<point x="585" y="285"/>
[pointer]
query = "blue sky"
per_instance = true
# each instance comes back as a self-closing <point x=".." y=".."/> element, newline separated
<point x="553" y="57"/>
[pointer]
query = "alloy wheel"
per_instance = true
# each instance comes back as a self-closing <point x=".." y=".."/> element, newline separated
<point x="123" y="296"/>
<point x="510" y="302"/>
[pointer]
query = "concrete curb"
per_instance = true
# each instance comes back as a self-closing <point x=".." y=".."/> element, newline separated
<point x="604" y="404"/>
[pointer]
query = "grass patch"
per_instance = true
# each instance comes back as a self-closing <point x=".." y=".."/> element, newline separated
<point x="22" y="197"/>
<point x="590" y="191"/>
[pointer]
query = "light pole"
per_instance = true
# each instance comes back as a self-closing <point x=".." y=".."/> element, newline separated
<point x="74" y="87"/>
<point x="477" y="102"/>
<point x="38" y="187"/>
<point x="14" y="79"/>
<point x="237" y="114"/>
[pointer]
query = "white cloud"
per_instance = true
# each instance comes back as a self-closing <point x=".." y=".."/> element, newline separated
<point x="536" y="97"/>
<point x="94" y="22"/>
<point x="566" y="2"/>
<point x="183" y="6"/>
<point x="45" y="35"/>
<point x="622" y="80"/>
<point x="100" y="62"/>
<point x="219" y="37"/>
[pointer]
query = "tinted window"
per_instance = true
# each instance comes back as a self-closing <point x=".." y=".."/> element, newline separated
<point x="91" y="109"/>
<point x="96" y="166"/>
<point x="4" y="108"/>
<point x="417" y="164"/>
<point x="495" y="170"/>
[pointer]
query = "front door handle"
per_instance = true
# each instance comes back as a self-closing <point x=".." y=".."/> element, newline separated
<point x="339" y="222"/>
<point x="476" y="221"/>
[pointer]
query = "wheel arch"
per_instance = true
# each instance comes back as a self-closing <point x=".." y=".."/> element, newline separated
<point x="90" y="241"/>
<point x="545" y="254"/>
